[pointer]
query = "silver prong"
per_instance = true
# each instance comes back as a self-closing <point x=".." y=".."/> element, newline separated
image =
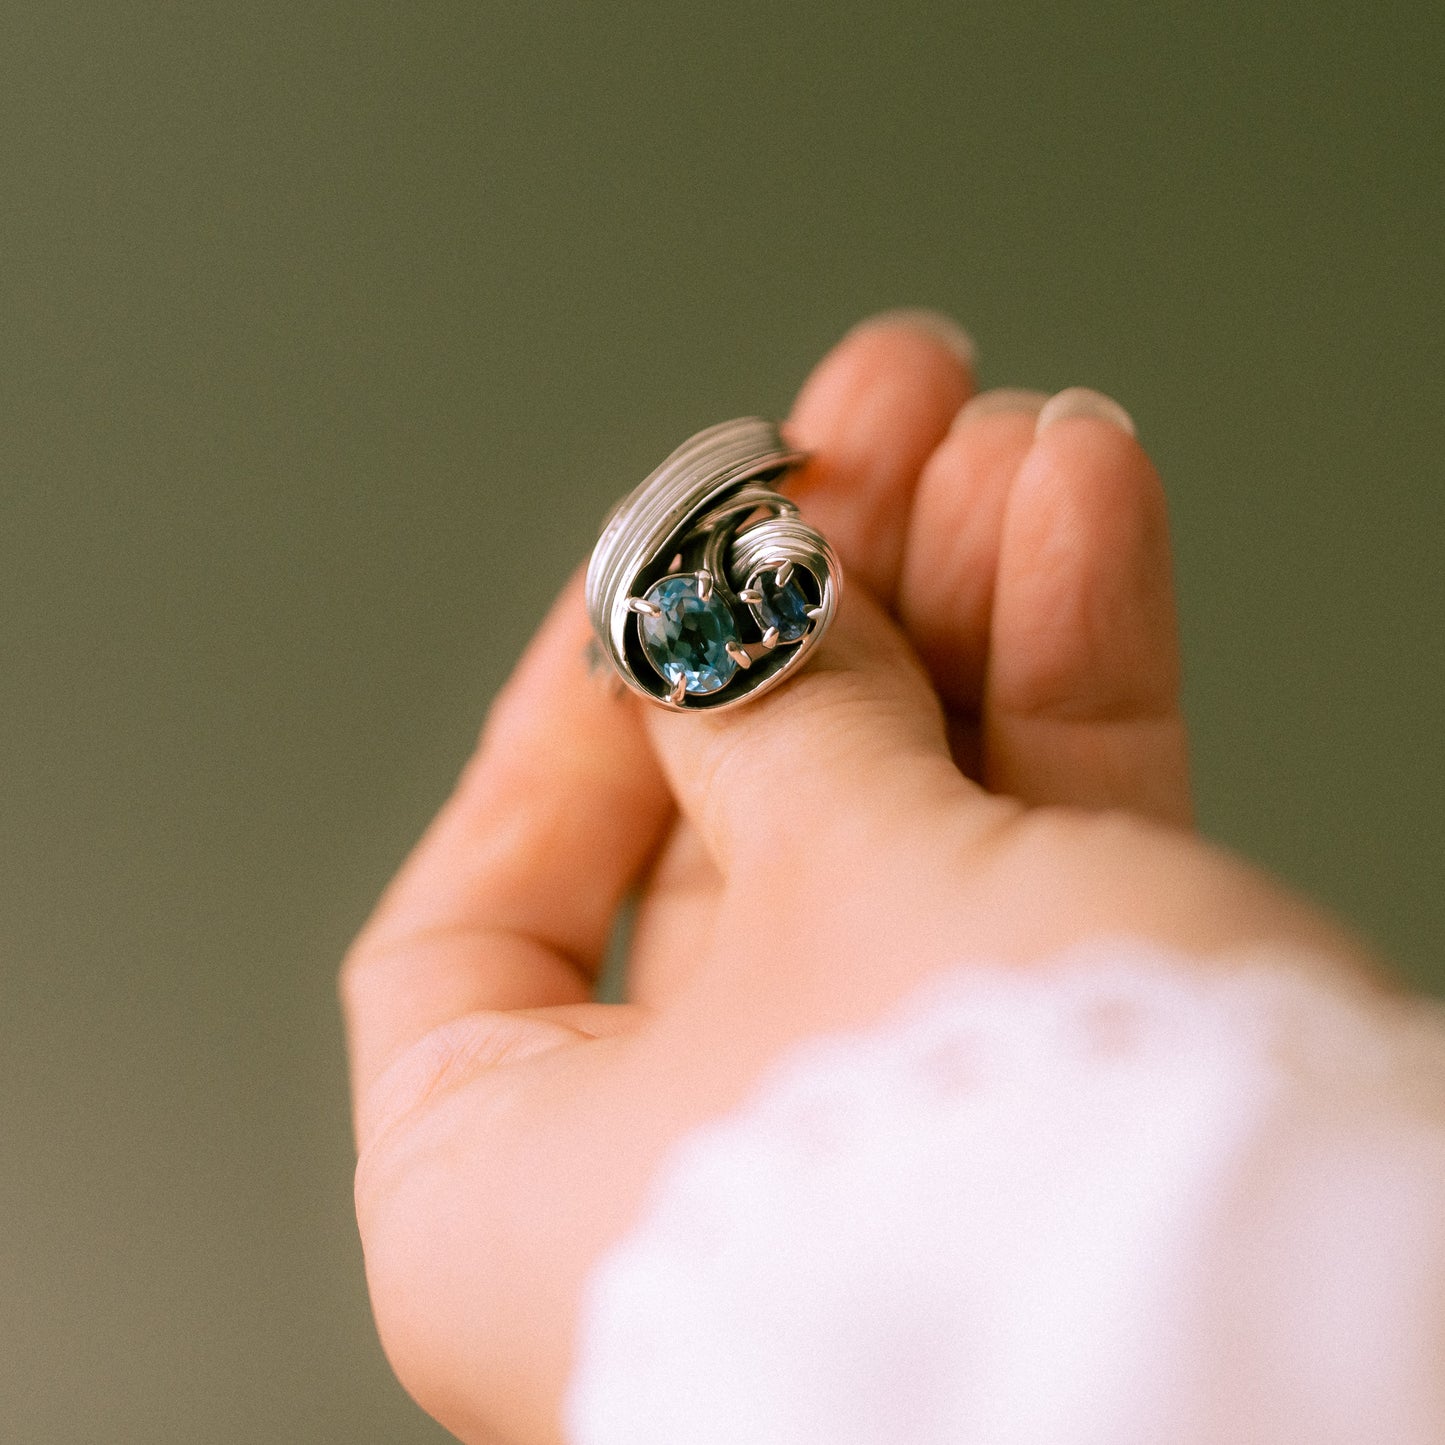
<point x="770" y="638"/>
<point x="817" y="613"/>
<point x="679" y="690"/>
<point x="751" y="596"/>
<point x="784" y="574"/>
<point x="704" y="584"/>
<point x="642" y="605"/>
<point x="739" y="654"/>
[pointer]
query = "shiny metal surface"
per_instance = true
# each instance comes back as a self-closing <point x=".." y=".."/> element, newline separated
<point x="712" y="510"/>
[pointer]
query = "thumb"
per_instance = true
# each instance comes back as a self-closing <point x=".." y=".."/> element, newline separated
<point x="826" y="765"/>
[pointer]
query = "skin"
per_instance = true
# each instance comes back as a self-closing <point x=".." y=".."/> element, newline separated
<point x="985" y="760"/>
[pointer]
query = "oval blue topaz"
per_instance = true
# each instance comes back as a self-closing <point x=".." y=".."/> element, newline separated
<point x="689" y="637"/>
<point x="785" y="608"/>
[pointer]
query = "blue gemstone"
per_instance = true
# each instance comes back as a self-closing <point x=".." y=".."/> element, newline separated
<point x="689" y="637"/>
<point x="785" y="608"/>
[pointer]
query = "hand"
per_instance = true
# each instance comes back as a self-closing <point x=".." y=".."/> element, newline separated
<point x="984" y="760"/>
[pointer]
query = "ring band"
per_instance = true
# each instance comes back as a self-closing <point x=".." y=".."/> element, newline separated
<point x="706" y="588"/>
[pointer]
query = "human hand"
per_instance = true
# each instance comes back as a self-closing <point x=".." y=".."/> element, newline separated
<point x="984" y="760"/>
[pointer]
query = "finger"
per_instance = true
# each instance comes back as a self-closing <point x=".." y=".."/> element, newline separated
<point x="509" y="899"/>
<point x="870" y="414"/>
<point x="1081" y="702"/>
<point x="678" y="900"/>
<point x="945" y="592"/>
<point x="835" y="762"/>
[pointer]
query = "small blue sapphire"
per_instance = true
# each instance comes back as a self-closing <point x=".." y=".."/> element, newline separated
<point x="785" y="608"/>
<point x="688" y="637"/>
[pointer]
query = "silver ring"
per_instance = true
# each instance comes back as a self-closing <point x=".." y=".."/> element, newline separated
<point x="706" y="588"/>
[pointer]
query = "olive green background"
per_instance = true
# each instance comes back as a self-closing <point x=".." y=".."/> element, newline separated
<point x="328" y="332"/>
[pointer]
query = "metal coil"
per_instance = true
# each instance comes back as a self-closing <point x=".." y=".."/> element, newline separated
<point x="710" y="515"/>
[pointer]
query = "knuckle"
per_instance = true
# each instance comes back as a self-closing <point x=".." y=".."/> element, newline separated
<point x="353" y="977"/>
<point x="370" y="970"/>
<point x="440" y="1064"/>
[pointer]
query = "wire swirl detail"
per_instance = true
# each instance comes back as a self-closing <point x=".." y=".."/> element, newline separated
<point x="706" y="588"/>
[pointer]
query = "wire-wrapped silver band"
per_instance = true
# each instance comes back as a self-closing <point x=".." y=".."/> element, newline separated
<point x="706" y="588"/>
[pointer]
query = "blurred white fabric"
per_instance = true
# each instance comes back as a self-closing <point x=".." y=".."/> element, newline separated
<point x="1123" y="1198"/>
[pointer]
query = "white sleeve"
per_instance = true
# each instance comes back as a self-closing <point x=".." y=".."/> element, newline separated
<point x="1123" y="1199"/>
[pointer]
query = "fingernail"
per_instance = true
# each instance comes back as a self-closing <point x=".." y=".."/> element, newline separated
<point x="943" y="329"/>
<point x="1016" y="399"/>
<point x="1080" y="401"/>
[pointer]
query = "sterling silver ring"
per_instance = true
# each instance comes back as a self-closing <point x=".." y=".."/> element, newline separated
<point x="706" y="588"/>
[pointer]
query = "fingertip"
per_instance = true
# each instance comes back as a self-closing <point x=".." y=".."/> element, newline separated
<point x="1001" y="401"/>
<point x="937" y="326"/>
<point x="870" y="415"/>
<point x="1080" y="401"/>
<point x="1086" y="573"/>
<point x="918" y="365"/>
<point x="1082" y="698"/>
<point x="945" y="595"/>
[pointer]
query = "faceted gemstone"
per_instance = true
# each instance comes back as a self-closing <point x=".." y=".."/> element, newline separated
<point x="689" y="637"/>
<point x="785" y="608"/>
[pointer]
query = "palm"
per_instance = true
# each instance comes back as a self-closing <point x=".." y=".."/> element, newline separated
<point x="508" y="1125"/>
